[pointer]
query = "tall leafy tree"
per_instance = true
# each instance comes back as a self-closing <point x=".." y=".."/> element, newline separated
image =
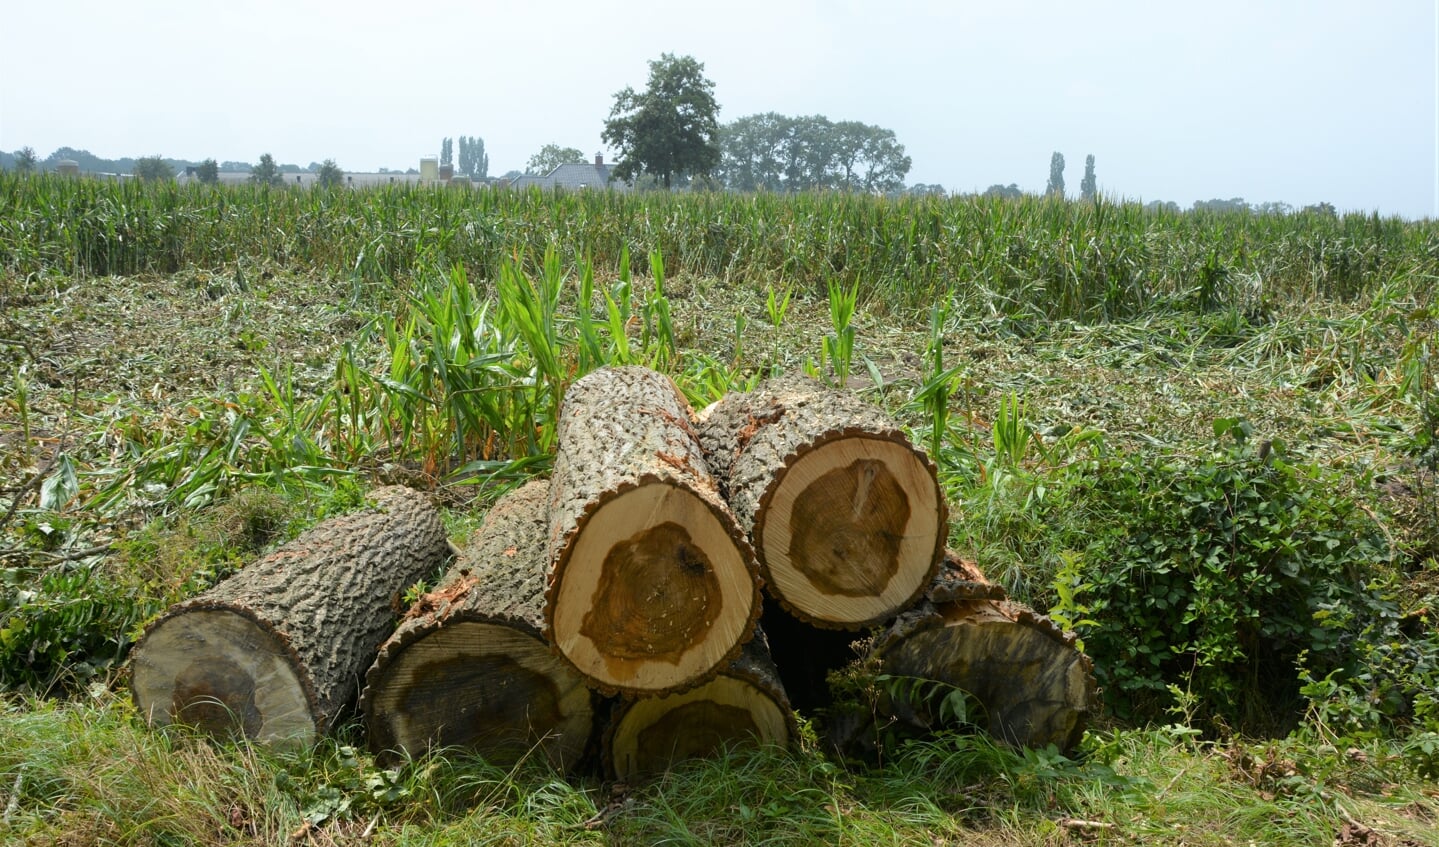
<point x="153" y="169"/>
<point x="447" y="151"/>
<point x="330" y="175"/>
<point x="474" y="162"/>
<point x="669" y="130"/>
<point x="1056" y="175"/>
<point x="208" y="172"/>
<point x="1088" y="190"/>
<point x="267" y="172"/>
<point x="552" y="156"/>
<point x="25" y="160"/>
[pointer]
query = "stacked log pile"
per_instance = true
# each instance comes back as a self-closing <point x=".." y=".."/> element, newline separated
<point x="612" y="613"/>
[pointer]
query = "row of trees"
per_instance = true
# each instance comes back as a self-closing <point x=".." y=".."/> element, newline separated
<point x="670" y="131"/>
<point x="1088" y="187"/>
<point x="774" y="152"/>
<point x="474" y="161"/>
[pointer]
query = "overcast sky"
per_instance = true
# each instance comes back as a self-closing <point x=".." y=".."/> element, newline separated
<point x="1269" y="100"/>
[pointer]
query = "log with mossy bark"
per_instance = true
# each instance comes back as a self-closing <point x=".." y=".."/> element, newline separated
<point x="469" y="668"/>
<point x="1031" y="684"/>
<point x="275" y="652"/>
<point x="653" y="586"/>
<point x="744" y="704"/>
<point x="846" y="516"/>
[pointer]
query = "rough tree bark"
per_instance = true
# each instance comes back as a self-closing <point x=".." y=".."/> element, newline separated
<point x="469" y="666"/>
<point x="275" y="652"/>
<point x="846" y="516"/>
<point x="1034" y="686"/>
<point x="654" y="587"/>
<point x="745" y="703"/>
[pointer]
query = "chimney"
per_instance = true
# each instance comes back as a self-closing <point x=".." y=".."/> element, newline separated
<point x="599" y="160"/>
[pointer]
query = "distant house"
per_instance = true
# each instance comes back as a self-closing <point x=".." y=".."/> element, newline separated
<point x="572" y="177"/>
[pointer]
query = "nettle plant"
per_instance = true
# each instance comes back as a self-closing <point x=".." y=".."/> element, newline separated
<point x="1230" y="578"/>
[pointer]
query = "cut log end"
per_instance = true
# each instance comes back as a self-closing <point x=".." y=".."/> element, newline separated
<point x="853" y="531"/>
<point x="482" y="687"/>
<point x="1035" y="688"/>
<point x="653" y="735"/>
<point x="645" y="607"/>
<point x="221" y="672"/>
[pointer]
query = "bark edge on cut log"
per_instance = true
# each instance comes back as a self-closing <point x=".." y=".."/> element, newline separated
<point x="469" y="667"/>
<point x="633" y="504"/>
<point x="794" y="433"/>
<point x="305" y="619"/>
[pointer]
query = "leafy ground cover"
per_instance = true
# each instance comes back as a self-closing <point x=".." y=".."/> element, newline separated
<point x="1206" y="443"/>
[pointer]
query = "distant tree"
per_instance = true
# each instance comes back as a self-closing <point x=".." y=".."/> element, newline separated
<point x="1056" y="175"/>
<point x="552" y="156"/>
<point x="997" y="190"/>
<point x="447" y="151"/>
<point x="208" y="172"/>
<point x="153" y="169"/>
<point x="1233" y="204"/>
<point x="511" y="176"/>
<point x="25" y="160"/>
<point x="474" y="162"/>
<point x="267" y="172"/>
<point x="330" y="175"/>
<point x="919" y="189"/>
<point x="1274" y="207"/>
<point x="1167" y="206"/>
<point x="670" y="129"/>
<point x="1322" y="208"/>
<point x="773" y="152"/>
<point x="1088" y="190"/>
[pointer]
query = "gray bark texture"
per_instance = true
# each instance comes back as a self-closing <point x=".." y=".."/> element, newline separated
<point x="621" y="429"/>
<point x="328" y="597"/>
<point x="498" y="579"/>
<point x="752" y="439"/>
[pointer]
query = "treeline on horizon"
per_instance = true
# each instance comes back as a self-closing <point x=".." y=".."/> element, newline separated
<point x="1031" y="256"/>
<point x="732" y="175"/>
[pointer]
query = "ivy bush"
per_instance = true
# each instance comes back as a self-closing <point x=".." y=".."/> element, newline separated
<point x="1233" y="580"/>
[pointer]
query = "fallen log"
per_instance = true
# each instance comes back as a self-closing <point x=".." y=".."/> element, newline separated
<point x="274" y="652"/>
<point x="653" y="587"/>
<point x="468" y="667"/>
<point x="1032" y="685"/>
<point x="846" y="516"/>
<point x="744" y="704"/>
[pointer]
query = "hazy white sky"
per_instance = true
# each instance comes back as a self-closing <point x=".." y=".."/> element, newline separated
<point x="1263" y="99"/>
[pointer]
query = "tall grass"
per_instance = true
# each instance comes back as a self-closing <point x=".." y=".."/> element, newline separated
<point x="1031" y="256"/>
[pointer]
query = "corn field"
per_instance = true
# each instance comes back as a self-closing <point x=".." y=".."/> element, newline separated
<point x="988" y="256"/>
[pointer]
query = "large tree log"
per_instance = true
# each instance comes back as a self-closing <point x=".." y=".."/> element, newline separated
<point x="1034" y="686"/>
<point x="744" y="704"/>
<point x="653" y="585"/>
<point x="276" y="651"/>
<point x="846" y="516"/>
<point x="469" y="666"/>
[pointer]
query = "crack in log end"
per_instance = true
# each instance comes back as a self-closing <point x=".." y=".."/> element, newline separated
<point x="492" y="705"/>
<point x="847" y="527"/>
<point x="694" y="730"/>
<point x="658" y="596"/>
<point x="217" y="696"/>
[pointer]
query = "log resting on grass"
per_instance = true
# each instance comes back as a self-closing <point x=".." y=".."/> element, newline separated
<point x="1033" y="684"/>
<point x="744" y="704"/>
<point x="469" y="666"/>
<point x="653" y="585"/>
<point x="275" y="652"/>
<point x="846" y="516"/>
